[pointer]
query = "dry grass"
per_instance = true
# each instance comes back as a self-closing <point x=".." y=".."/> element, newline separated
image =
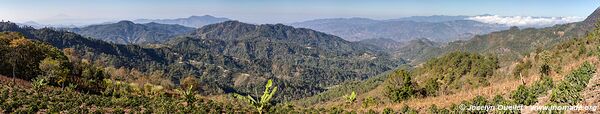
<point x="7" y="80"/>
<point x="501" y="86"/>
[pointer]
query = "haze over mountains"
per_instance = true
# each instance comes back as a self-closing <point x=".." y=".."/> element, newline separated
<point x="192" y="21"/>
<point x="417" y="63"/>
<point x="356" y="29"/>
<point x="127" y="32"/>
<point x="438" y="28"/>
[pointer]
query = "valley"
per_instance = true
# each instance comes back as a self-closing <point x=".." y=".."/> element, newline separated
<point x="162" y="63"/>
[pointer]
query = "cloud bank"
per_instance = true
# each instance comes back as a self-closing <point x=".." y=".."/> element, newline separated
<point x="527" y="21"/>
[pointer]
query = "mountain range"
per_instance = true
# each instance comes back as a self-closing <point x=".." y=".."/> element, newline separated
<point x="127" y="32"/>
<point x="437" y="28"/>
<point x="192" y="21"/>
<point x="236" y="57"/>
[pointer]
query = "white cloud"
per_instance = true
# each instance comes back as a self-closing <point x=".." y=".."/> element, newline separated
<point x="527" y="21"/>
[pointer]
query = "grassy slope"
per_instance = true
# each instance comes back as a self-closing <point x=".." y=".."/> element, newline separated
<point x="562" y="57"/>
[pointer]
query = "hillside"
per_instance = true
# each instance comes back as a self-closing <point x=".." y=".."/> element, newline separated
<point x="509" y="44"/>
<point x="564" y="73"/>
<point x="236" y="61"/>
<point x="356" y="29"/>
<point x="127" y="32"/>
<point x="414" y="51"/>
<point x="308" y="60"/>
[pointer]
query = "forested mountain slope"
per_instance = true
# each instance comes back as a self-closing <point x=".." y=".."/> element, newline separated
<point x="127" y="32"/>
<point x="192" y="21"/>
<point x="235" y="57"/>
<point x="513" y="43"/>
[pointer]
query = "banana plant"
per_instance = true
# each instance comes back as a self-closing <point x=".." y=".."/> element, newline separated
<point x="350" y="98"/>
<point x="187" y="95"/>
<point x="264" y="99"/>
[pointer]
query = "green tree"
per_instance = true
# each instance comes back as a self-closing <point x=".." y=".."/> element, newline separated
<point x="431" y="87"/>
<point x="18" y="46"/>
<point x="54" y="70"/>
<point x="265" y="99"/>
<point x="545" y="69"/>
<point x="399" y="86"/>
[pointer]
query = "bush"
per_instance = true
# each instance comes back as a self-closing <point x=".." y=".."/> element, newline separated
<point x="541" y="87"/>
<point x="524" y="96"/>
<point x="369" y="101"/>
<point x="567" y="91"/>
<point x="431" y="87"/>
<point x="388" y="111"/>
<point x="522" y="68"/>
<point x="399" y="86"/>
<point x="545" y="70"/>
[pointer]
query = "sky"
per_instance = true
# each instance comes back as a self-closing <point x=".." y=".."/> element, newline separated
<point x="278" y="11"/>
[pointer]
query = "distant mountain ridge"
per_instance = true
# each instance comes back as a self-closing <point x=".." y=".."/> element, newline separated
<point x="127" y="32"/>
<point x="516" y="42"/>
<point x="441" y="30"/>
<point x="192" y="21"/>
<point x="433" y="18"/>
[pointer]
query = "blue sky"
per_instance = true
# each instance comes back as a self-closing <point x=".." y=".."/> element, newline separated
<point x="278" y="11"/>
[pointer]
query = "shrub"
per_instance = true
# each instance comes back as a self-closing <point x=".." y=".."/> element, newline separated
<point x="369" y="101"/>
<point x="524" y="96"/>
<point x="522" y="68"/>
<point x="38" y="83"/>
<point x="542" y="86"/>
<point x="567" y="91"/>
<point x="431" y="87"/>
<point x="388" y="111"/>
<point x="545" y="70"/>
<point x="399" y="86"/>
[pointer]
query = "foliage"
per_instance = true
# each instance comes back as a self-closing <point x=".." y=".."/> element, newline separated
<point x="21" y="53"/>
<point x="435" y="110"/>
<point x="54" y="71"/>
<point x="38" y="83"/>
<point x="350" y="98"/>
<point x="264" y="100"/>
<point x="407" y="110"/>
<point x="305" y="63"/>
<point x="524" y="96"/>
<point x="187" y="95"/>
<point x="190" y="82"/>
<point x="545" y="69"/>
<point x="388" y="110"/>
<point x="431" y="87"/>
<point x="399" y="86"/>
<point x="567" y="91"/>
<point x="370" y="101"/>
<point x="528" y="95"/>
<point x="20" y="100"/>
<point x="344" y="88"/>
<point x="521" y="68"/>
<point x="458" y="69"/>
<point x="542" y="86"/>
